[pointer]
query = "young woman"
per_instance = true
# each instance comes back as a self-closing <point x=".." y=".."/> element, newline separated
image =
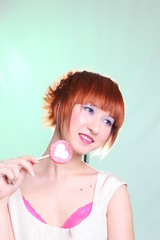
<point x="46" y="200"/>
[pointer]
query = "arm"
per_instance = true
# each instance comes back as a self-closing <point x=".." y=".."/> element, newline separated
<point x="6" y="231"/>
<point x="119" y="216"/>
<point x="12" y="173"/>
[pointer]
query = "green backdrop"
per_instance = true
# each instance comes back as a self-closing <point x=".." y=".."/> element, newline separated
<point x="42" y="39"/>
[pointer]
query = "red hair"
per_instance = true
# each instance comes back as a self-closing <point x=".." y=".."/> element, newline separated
<point x="83" y="88"/>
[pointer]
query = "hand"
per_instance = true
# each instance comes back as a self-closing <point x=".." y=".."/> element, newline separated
<point x="12" y="173"/>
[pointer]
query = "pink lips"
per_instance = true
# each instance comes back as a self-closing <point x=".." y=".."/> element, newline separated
<point x="86" y="138"/>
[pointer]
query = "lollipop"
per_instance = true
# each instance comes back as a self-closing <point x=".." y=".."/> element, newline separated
<point x="60" y="152"/>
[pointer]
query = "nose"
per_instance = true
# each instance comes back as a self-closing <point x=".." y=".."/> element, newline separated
<point x="94" y="126"/>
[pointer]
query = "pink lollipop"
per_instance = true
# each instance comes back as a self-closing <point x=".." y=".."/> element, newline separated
<point x="60" y="152"/>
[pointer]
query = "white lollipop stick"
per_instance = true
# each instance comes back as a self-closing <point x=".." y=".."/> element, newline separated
<point x="45" y="156"/>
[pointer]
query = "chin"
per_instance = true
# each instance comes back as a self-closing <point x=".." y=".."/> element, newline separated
<point x="80" y="149"/>
<point x="80" y="152"/>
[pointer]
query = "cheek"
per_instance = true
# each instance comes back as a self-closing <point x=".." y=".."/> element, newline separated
<point x="77" y="118"/>
<point x="73" y="120"/>
<point x="106" y="134"/>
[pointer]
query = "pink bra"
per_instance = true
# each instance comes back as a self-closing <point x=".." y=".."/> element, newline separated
<point x="79" y="215"/>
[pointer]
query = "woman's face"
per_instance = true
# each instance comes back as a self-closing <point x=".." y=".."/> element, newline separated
<point x="89" y="128"/>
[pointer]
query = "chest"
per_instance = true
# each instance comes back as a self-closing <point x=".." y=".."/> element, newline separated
<point x="56" y="201"/>
<point x="94" y="227"/>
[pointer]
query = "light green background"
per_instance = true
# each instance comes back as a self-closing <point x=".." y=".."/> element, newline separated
<point x="41" y="40"/>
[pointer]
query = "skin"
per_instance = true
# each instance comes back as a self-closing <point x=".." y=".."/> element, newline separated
<point x="89" y="129"/>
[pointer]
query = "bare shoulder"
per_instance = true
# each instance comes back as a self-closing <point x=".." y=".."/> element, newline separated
<point x="119" y="216"/>
<point x="121" y="196"/>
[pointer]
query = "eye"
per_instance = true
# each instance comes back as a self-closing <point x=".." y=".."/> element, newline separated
<point x="88" y="108"/>
<point x="108" y="122"/>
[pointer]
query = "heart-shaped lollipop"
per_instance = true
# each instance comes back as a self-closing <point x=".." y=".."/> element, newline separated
<point x="60" y="152"/>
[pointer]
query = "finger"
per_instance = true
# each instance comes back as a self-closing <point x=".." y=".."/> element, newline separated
<point x="11" y="175"/>
<point x="16" y="165"/>
<point x="16" y="173"/>
<point x="11" y="168"/>
<point x="27" y="166"/>
<point x="16" y="170"/>
<point x="30" y="159"/>
<point x="24" y="162"/>
<point x="7" y="173"/>
<point x="18" y="181"/>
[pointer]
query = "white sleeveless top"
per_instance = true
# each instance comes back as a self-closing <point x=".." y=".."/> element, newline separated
<point x="27" y="227"/>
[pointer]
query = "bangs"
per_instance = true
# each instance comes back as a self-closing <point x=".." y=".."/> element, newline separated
<point x="103" y="93"/>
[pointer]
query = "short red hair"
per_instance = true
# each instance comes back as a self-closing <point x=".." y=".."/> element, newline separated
<point x="83" y="88"/>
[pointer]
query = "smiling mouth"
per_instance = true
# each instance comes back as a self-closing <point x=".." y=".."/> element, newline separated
<point x="85" y="138"/>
